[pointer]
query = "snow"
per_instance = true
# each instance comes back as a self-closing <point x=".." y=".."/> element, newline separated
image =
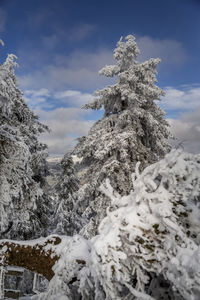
<point x="77" y="159"/>
<point x="12" y="268"/>
<point x="39" y="241"/>
<point x="54" y="159"/>
<point x="2" y="273"/>
<point x="20" y="298"/>
<point x="74" y="253"/>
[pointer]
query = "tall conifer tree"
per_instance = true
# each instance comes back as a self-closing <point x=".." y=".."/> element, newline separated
<point x="133" y="129"/>
<point x="24" y="207"/>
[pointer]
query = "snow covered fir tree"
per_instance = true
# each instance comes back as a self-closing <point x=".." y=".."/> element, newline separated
<point x="25" y="208"/>
<point x="67" y="185"/>
<point x="133" y="129"/>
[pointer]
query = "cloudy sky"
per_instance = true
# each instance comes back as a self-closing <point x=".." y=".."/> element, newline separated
<point x="61" y="45"/>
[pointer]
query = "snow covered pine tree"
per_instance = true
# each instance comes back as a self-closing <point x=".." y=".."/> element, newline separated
<point x="67" y="185"/>
<point x="24" y="208"/>
<point x="133" y="129"/>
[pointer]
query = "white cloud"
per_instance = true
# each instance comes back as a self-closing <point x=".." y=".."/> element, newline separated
<point x="66" y="124"/>
<point x="44" y="98"/>
<point x="185" y="98"/>
<point x="38" y="93"/>
<point x="187" y="131"/>
<point x="74" y="98"/>
<point x="35" y="98"/>
<point x="171" y="52"/>
<point x="76" y="71"/>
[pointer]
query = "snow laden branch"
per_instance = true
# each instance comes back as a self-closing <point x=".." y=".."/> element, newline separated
<point x="153" y="237"/>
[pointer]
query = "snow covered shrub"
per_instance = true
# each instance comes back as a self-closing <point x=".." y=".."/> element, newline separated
<point x="148" y="240"/>
<point x="154" y="231"/>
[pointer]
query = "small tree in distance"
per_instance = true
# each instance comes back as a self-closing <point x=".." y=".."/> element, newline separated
<point x="133" y="129"/>
<point x="67" y="185"/>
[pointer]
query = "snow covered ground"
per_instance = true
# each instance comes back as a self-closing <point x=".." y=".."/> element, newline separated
<point x="21" y="298"/>
<point x="54" y="159"/>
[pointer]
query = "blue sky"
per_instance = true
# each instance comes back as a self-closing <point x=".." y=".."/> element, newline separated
<point x="62" y="44"/>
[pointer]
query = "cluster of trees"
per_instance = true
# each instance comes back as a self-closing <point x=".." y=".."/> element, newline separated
<point x="131" y="214"/>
